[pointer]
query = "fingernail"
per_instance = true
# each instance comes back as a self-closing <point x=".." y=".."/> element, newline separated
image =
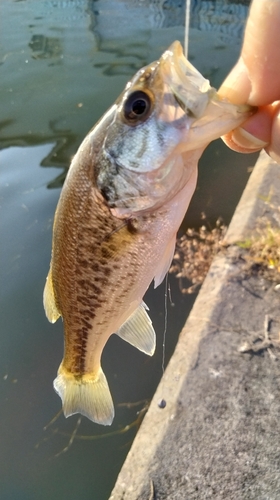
<point x="246" y="140"/>
<point x="237" y="86"/>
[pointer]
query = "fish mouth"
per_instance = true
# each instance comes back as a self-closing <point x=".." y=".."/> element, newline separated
<point x="191" y="90"/>
<point x="210" y="114"/>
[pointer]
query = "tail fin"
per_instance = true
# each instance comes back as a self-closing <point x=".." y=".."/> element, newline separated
<point x="89" y="395"/>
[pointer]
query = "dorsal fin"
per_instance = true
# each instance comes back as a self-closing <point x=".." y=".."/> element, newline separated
<point x="138" y="331"/>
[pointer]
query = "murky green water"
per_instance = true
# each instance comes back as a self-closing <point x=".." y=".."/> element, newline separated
<point x="62" y="64"/>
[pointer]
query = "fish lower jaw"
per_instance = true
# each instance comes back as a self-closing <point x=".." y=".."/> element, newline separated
<point x="88" y="394"/>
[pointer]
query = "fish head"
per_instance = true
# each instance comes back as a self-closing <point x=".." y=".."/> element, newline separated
<point x="160" y="125"/>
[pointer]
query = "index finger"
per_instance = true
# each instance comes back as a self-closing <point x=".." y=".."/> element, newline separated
<point x="256" y="77"/>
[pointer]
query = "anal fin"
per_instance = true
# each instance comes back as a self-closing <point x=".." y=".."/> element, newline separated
<point x="51" y="310"/>
<point x="138" y="331"/>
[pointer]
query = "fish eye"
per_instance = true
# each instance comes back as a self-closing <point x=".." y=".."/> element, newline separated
<point x="137" y="107"/>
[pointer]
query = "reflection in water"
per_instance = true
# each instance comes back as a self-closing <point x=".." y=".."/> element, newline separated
<point x="118" y="68"/>
<point x="59" y="156"/>
<point x="63" y="150"/>
<point x="45" y="47"/>
<point x="69" y="11"/>
<point x="225" y="18"/>
<point x="136" y="421"/>
<point x="91" y="59"/>
<point x="166" y="13"/>
<point x="6" y="123"/>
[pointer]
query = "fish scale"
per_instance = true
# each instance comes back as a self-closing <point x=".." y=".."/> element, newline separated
<point x="97" y="247"/>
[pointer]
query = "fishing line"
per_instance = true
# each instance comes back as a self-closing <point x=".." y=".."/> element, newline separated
<point x="162" y="402"/>
<point x="167" y="287"/>
<point x="187" y="25"/>
<point x="167" y="295"/>
<point x="165" y="324"/>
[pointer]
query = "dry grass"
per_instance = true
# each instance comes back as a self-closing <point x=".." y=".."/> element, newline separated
<point x="196" y="249"/>
<point x="194" y="253"/>
<point x="263" y="250"/>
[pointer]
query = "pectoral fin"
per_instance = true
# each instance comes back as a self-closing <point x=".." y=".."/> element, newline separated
<point x="165" y="262"/>
<point x="51" y="310"/>
<point x="138" y="331"/>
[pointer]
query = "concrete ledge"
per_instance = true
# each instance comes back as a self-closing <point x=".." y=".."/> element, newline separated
<point x="218" y="436"/>
<point x="259" y="199"/>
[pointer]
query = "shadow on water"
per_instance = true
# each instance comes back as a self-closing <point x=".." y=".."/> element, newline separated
<point x="63" y="63"/>
<point x="59" y="156"/>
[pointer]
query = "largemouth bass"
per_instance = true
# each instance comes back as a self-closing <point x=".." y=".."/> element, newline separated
<point x="123" y="200"/>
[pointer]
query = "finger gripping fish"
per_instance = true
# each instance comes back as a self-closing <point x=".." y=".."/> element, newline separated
<point x="115" y="225"/>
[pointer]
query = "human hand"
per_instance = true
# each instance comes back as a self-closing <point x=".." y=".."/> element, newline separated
<point x="255" y="80"/>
